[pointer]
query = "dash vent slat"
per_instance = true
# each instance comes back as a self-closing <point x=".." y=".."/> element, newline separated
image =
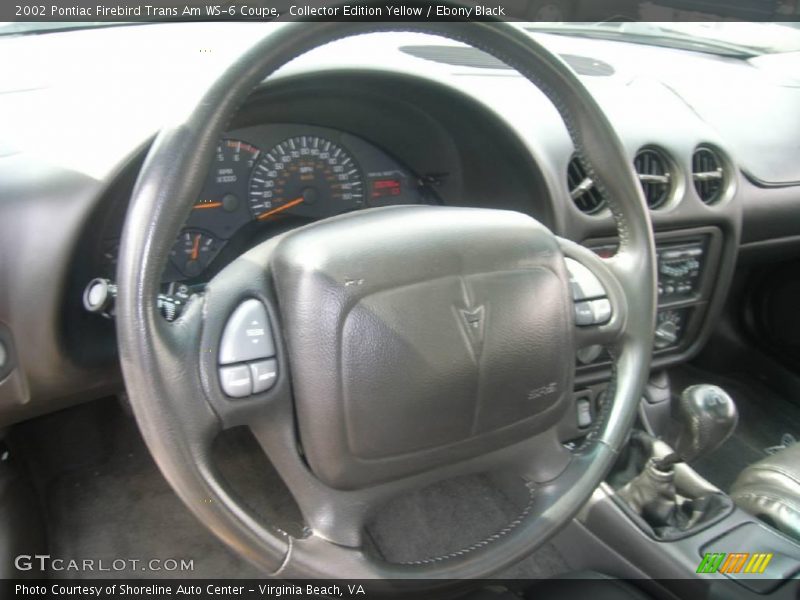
<point x="582" y="190"/>
<point x="654" y="176"/>
<point x="708" y="175"/>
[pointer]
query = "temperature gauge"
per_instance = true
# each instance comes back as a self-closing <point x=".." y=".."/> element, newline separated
<point x="193" y="252"/>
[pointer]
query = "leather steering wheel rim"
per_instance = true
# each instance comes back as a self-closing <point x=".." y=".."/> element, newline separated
<point x="166" y="390"/>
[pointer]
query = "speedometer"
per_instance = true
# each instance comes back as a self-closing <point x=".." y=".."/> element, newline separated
<point x="309" y="175"/>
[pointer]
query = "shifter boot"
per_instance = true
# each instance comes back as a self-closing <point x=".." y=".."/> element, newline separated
<point x="652" y="495"/>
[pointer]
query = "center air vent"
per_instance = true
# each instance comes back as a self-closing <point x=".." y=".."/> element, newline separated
<point x="582" y="190"/>
<point x="654" y="175"/>
<point x="708" y="175"/>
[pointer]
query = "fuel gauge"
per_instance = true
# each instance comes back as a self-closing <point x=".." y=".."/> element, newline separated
<point x="193" y="251"/>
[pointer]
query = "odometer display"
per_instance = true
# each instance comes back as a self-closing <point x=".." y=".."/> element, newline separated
<point x="308" y="175"/>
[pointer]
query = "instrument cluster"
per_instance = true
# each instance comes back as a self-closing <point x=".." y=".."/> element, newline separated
<point x="268" y="178"/>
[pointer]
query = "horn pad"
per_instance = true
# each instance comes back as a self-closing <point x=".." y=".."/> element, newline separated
<point x="422" y="336"/>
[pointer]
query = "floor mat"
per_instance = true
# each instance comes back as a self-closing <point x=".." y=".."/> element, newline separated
<point x="764" y="418"/>
<point x="451" y="516"/>
<point x="105" y="499"/>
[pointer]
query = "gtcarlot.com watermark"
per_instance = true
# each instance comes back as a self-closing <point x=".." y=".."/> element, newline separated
<point x="52" y="564"/>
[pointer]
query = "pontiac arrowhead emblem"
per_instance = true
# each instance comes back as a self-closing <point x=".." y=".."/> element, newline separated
<point x="472" y="322"/>
<point x="472" y="318"/>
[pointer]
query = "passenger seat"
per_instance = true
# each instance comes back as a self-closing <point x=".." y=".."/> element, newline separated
<point x="770" y="490"/>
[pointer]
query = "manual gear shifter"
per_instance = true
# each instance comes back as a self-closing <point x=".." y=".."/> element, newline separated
<point x="707" y="417"/>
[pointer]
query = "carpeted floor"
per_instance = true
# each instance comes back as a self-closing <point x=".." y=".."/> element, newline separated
<point x="104" y="498"/>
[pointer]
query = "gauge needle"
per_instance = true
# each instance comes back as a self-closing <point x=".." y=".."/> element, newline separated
<point x="196" y="247"/>
<point x="207" y="205"/>
<point x="280" y="208"/>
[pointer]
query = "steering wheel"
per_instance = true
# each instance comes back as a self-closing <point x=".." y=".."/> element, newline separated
<point x="395" y="347"/>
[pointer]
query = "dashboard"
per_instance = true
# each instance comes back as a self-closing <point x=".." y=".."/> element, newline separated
<point x="403" y="119"/>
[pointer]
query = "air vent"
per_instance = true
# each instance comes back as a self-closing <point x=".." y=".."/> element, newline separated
<point x="708" y="175"/>
<point x="582" y="190"/>
<point x="654" y="175"/>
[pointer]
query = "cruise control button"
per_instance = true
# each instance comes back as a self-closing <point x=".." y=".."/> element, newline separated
<point x="583" y="282"/>
<point x="264" y="373"/>
<point x="247" y="335"/>
<point x="583" y="313"/>
<point x="235" y="381"/>
<point x="584" y="409"/>
<point x="601" y="309"/>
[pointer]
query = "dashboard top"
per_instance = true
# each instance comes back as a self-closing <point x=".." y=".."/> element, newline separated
<point x="58" y="94"/>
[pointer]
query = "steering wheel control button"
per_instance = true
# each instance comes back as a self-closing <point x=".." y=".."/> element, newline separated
<point x="592" y="307"/>
<point x="247" y="335"/>
<point x="584" y="283"/>
<point x="601" y="309"/>
<point x="264" y="373"/>
<point x="584" y="412"/>
<point x="584" y="315"/>
<point x="236" y="381"/>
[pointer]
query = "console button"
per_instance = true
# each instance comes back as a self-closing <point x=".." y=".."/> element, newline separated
<point x="247" y="335"/>
<point x="264" y="373"/>
<point x="236" y="381"/>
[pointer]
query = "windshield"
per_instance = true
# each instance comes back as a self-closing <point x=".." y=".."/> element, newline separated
<point x="728" y="38"/>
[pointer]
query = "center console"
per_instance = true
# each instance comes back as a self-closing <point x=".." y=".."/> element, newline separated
<point x="687" y="263"/>
<point x="655" y="514"/>
<point x="659" y="517"/>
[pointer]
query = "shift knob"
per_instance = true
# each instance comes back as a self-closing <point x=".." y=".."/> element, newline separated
<point x="707" y="417"/>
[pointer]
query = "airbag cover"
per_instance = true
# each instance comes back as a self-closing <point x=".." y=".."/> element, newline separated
<point x="420" y="336"/>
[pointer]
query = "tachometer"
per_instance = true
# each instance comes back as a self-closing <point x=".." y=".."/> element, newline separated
<point x="232" y="164"/>
<point x="307" y="174"/>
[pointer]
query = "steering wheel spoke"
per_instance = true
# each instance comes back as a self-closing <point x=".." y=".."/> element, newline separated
<point x="243" y="367"/>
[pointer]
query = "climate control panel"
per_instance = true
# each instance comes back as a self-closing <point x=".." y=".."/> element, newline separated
<point x="680" y="267"/>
